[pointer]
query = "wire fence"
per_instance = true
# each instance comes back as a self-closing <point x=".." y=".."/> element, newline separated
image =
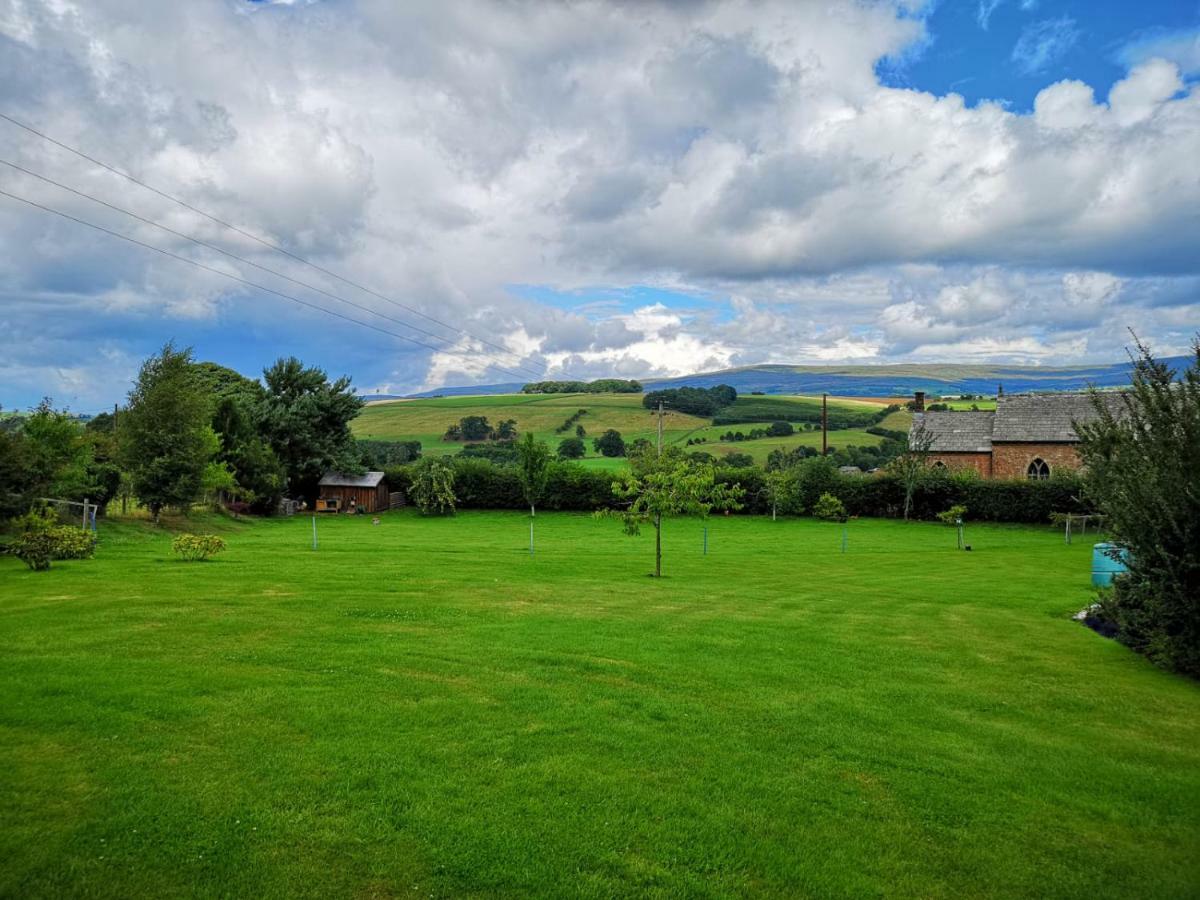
<point x="73" y="512"/>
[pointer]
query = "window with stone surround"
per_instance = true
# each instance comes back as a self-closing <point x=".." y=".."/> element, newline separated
<point x="1038" y="469"/>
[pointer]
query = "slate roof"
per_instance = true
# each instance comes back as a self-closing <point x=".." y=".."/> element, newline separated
<point x="959" y="432"/>
<point x="1019" y="418"/>
<point x="1046" y="418"/>
<point x="340" y="479"/>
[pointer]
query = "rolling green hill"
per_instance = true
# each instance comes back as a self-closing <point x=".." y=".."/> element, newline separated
<point x="426" y="420"/>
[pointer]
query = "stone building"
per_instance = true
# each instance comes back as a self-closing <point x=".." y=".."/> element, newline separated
<point x="1028" y="436"/>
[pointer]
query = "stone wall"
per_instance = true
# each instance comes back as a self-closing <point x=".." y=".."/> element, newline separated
<point x="956" y="462"/>
<point x="1012" y="460"/>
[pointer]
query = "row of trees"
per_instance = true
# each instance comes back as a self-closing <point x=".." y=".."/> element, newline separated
<point x="478" y="428"/>
<point x="775" y="429"/>
<point x="691" y="400"/>
<point x="600" y="386"/>
<point x="189" y="431"/>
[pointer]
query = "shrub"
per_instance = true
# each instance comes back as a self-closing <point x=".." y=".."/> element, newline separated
<point x="197" y="547"/>
<point x="35" y="549"/>
<point x="815" y="476"/>
<point x="69" y="542"/>
<point x="42" y="539"/>
<point x="830" y="508"/>
<point x="737" y="460"/>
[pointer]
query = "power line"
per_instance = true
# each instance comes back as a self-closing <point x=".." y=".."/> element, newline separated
<point x="248" y="262"/>
<point x="240" y="280"/>
<point x="252" y="236"/>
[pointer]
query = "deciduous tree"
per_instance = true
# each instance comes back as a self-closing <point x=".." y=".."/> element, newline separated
<point x="610" y="443"/>
<point x="533" y="468"/>
<point x="571" y="448"/>
<point x="658" y="486"/>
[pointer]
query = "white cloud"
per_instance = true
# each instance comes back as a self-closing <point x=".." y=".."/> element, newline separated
<point x="1144" y="92"/>
<point x="1044" y="42"/>
<point x="1181" y="47"/>
<point x="441" y="152"/>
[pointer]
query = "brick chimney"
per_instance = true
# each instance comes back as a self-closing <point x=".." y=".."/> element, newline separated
<point x="919" y="401"/>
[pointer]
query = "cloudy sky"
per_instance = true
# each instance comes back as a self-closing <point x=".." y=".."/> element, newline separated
<point x="593" y="189"/>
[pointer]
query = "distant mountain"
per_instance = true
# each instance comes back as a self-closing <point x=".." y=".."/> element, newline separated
<point x="902" y="379"/>
<point x="876" y="380"/>
<point x="470" y="391"/>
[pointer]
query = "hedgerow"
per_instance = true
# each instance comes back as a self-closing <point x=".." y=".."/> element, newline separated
<point x="479" y="484"/>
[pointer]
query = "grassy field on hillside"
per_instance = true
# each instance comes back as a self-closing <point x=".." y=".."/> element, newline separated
<point x="761" y="448"/>
<point x="422" y="708"/>
<point x="968" y="404"/>
<point x="427" y="420"/>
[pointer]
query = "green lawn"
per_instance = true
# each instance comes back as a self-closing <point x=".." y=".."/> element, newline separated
<point x="421" y="708"/>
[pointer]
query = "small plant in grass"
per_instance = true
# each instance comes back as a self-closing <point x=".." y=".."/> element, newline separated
<point x="829" y="508"/>
<point x="196" y="547"/>
<point x="952" y="515"/>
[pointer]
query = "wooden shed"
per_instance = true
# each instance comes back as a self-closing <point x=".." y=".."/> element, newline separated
<point x="338" y="492"/>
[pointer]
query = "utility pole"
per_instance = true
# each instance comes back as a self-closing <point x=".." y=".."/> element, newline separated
<point x="660" y="424"/>
<point x="824" y="424"/>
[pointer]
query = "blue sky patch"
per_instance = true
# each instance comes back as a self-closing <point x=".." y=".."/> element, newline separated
<point x="1008" y="50"/>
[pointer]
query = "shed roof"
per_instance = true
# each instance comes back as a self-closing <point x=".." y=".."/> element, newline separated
<point x="959" y="432"/>
<point x="1047" y="418"/>
<point x="341" y="479"/>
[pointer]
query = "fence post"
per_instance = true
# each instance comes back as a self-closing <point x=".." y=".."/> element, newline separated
<point x="314" y="518"/>
<point x="85" y="515"/>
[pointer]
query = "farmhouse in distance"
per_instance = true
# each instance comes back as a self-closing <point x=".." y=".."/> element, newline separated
<point x="1028" y="436"/>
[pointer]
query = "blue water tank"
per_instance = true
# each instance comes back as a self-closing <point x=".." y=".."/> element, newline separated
<point x="1108" y="561"/>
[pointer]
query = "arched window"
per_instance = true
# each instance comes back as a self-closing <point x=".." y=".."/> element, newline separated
<point x="938" y="464"/>
<point x="1037" y="470"/>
